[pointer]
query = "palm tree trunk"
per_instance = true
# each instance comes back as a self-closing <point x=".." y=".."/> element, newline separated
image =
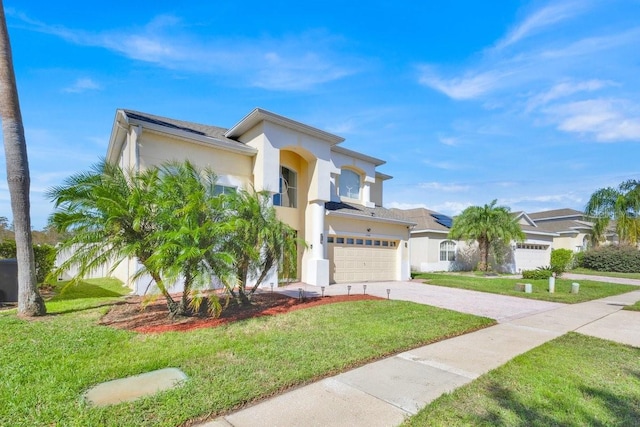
<point x="483" y="245"/>
<point x="30" y="303"/>
<point x="172" y="305"/>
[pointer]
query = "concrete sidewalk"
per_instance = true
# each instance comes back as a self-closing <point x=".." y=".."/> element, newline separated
<point x="385" y="392"/>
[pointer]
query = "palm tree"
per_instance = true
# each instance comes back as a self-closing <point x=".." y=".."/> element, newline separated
<point x="110" y="216"/>
<point x="260" y="243"/>
<point x="30" y="303"/>
<point x="167" y="217"/>
<point x="488" y="225"/>
<point x="620" y="204"/>
<point x="192" y="226"/>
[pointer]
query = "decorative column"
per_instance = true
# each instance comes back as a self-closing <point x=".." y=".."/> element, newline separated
<point x="317" y="266"/>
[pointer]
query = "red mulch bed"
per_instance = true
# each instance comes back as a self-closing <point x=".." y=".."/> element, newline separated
<point x="154" y="318"/>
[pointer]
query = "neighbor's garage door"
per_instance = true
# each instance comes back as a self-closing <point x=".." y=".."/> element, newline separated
<point x="361" y="260"/>
<point x="531" y="256"/>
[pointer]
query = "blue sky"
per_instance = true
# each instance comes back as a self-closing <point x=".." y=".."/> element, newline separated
<point x="536" y="104"/>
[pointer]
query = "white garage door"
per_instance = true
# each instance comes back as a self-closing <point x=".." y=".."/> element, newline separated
<point x="532" y="256"/>
<point x="361" y="260"/>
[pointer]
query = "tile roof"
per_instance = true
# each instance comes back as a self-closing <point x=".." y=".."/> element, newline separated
<point x="556" y="213"/>
<point x="423" y="218"/>
<point x="565" y="225"/>
<point x="366" y="212"/>
<point x="199" y="129"/>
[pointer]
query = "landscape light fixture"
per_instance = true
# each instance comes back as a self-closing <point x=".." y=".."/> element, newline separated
<point x="348" y="290"/>
<point x="322" y="288"/>
<point x="388" y="292"/>
<point x="300" y="294"/>
<point x="364" y="287"/>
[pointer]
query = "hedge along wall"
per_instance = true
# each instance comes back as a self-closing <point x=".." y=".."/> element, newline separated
<point x="618" y="258"/>
<point x="45" y="257"/>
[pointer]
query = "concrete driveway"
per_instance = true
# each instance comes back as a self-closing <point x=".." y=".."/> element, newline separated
<point x="499" y="307"/>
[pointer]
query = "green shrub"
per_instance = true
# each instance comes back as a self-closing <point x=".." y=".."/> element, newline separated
<point x="45" y="257"/>
<point x="578" y="260"/>
<point x="539" y="273"/>
<point x="561" y="260"/>
<point x="617" y="258"/>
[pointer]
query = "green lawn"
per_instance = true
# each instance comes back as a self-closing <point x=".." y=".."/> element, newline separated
<point x="634" y="307"/>
<point x="573" y="380"/>
<point x="589" y="290"/>
<point x="46" y="364"/>
<point x="605" y="273"/>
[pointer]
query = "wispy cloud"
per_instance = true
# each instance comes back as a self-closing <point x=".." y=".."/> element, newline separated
<point x="469" y="86"/>
<point x="552" y="82"/>
<point x="566" y="88"/>
<point x="82" y="85"/>
<point x="451" y="208"/>
<point x="447" y="188"/>
<point x="607" y="120"/>
<point x="541" y="19"/>
<point x="445" y="165"/>
<point x="449" y="140"/>
<point x="561" y="199"/>
<point x="297" y="62"/>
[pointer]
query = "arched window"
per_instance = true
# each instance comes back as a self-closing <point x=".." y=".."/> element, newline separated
<point x="288" y="193"/>
<point x="447" y="251"/>
<point x="349" y="184"/>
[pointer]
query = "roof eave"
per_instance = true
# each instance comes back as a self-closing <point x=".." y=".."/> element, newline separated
<point x="375" y="161"/>
<point x="371" y="218"/>
<point x="258" y="115"/>
<point x="191" y="137"/>
<point x="118" y="135"/>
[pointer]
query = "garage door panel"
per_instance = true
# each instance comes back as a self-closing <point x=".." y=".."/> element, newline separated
<point x="361" y="263"/>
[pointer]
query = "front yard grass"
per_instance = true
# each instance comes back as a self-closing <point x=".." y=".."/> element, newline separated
<point x="573" y="380"/>
<point x="634" y="307"/>
<point x="605" y="273"/>
<point x="589" y="289"/>
<point x="46" y="364"/>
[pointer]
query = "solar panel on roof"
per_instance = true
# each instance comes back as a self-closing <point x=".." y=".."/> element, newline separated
<point x="443" y="220"/>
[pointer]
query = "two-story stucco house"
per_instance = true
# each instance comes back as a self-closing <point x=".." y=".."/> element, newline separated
<point x="331" y="195"/>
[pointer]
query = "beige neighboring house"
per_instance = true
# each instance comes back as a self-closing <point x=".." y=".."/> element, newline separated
<point x="331" y="195"/>
<point x="572" y="227"/>
<point x="432" y="250"/>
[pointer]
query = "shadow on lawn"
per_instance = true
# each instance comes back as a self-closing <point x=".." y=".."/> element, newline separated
<point x="622" y="409"/>
<point x="80" y="309"/>
<point x="83" y="290"/>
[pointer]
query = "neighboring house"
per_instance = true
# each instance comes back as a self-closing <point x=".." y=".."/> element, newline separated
<point x="572" y="226"/>
<point x="536" y="249"/>
<point x="432" y="250"/>
<point x="330" y="195"/>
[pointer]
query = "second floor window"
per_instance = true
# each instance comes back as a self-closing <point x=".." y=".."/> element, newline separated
<point x="288" y="192"/>
<point x="349" y="184"/>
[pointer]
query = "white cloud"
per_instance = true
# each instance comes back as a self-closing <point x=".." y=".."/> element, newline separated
<point x="565" y="89"/>
<point x="451" y="208"/>
<point x="82" y="85"/>
<point x="297" y="62"/>
<point x="537" y="21"/>
<point x="591" y="45"/>
<point x="444" y="165"/>
<point x="447" y="188"/>
<point x="471" y="85"/>
<point x="449" y="140"/>
<point x="606" y="120"/>
<point x="565" y="198"/>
